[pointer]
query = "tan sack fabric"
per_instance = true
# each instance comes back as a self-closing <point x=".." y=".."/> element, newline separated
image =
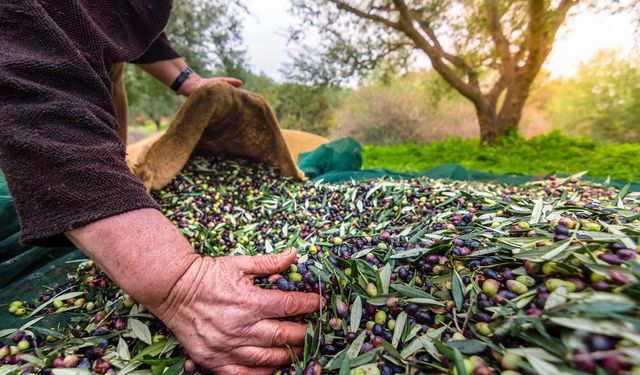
<point x="120" y="101"/>
<point x="297" y="141"/>
<point x="216" y="118"/>
<point x="300" y="142"/>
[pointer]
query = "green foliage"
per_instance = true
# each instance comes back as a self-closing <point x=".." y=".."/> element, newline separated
<point x="417" y="107"/>
<point x="602" y="100"/>
<point x="148" y="97"/>
<point x="296" y="106"/>
<point x="208" y="34"/>
<point x="542" y="155"/>
<point x="303" y="108"/>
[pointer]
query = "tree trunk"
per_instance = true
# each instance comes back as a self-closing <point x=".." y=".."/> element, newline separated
<point x="157" y="123"/>
<point x="494" y="124"/>
<point x="494" y="128"/>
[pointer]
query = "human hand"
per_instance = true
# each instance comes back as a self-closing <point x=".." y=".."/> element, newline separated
<point x="166" y="72"/>
<point x="230" y="326"/>
<point x="194" y="81"/>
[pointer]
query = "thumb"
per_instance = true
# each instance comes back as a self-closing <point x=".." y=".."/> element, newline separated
<point x="268" y="264"/>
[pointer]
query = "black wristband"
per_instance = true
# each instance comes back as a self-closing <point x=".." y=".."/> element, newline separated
<point x="184" y="75"/>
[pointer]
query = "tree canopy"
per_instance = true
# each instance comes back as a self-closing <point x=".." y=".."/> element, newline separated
<point x="208" y="34"/>
<point x="490" y="51"/>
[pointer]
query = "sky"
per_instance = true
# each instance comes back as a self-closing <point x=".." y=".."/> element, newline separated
<point x="578" y="41"/>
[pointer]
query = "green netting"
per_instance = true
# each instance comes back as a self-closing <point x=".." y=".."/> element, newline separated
<point x="25" y="271"/>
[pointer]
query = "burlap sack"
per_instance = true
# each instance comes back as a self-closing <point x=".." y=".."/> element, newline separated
<point x="216" y="119"/>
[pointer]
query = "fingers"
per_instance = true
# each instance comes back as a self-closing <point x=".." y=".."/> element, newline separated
<point x="274" y="333"/>
<point x="279" y="304"/>
<point x="234" y="82"/>
<point x="266" y="357"/>
<point x="266" y="264"/>
<point x="243" y="370"/>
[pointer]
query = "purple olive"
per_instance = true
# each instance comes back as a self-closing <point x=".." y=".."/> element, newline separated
<point x="627" y="254"/>
<point x="612" y="364"/>
<point x="366" y="348"/>
<point x="424" y="317"/>
<point x="601" y="342"/>
<point x="342" y="309"/>
<point x="411" y="309"/>
<point x="351" y="336"/>
<point x="120" y="323"/>
<point x="610" y="258"/>
<point x="601" y="286"/>
<point x="484" y="317"/>
<point x="583" y="361"/>
<point x="283" y="284"/>
<point x="328" y="349"/>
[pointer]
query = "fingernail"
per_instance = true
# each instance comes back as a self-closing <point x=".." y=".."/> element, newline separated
<point x="289" y="251"/>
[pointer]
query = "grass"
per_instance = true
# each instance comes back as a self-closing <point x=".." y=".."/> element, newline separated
<point x="148" y="128"/>
<point x="541" y="155"/>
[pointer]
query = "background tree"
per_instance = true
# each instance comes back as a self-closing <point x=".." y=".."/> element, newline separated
<point x="208" y="34"/>
<point x="602" y="100"/>
<point x="490" y="51"/>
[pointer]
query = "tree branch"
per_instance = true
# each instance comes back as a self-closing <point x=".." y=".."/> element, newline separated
<point x="558" y="17"/>
<point x="362" y="14"/>
<point x="497" y="89"/>
<point x="455" y="60"/>
<point x="560" y="14"/>
<point x="497" y="35"/>
<point x="541" y="34"/>
<point x="470" y="90"/>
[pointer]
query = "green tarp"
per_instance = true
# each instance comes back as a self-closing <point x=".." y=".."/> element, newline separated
<point x="341" y="161"/>
<point x="25" y="271"/>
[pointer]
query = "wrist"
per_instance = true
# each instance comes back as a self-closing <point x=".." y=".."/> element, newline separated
<point x="183" y="289"/>
<point x="139" y="250"/>
<point x="190" y="85"/>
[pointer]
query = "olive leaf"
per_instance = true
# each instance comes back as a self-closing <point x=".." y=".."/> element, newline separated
<point x="6" y="332"/>
<point x="411" y="292"/>
<point x="345" y="369"/>
<point x="142" y="332"/>
<point x="542" y="367"/>
<point x="617" y="201"/>
<point x="458" y="361"/>
<point x="177" y="368"/>
<point x="385" y="278"/>
<point x="468" y="346"/>
<point x="536" y="214"/>
<point x="398" y="330"/>
<point x="628" y="242"/>
<point x="413" y="253"/>
<point x="123" y="350"/>
<point x="356" y="345"/>
<point x="457" y="290"/>
<point x="425" y="301"/>
<point x="355" y="313"/>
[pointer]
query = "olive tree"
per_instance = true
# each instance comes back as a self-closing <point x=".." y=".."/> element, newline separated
<point x="208" y="34"/>
<point x="490" y="51"/>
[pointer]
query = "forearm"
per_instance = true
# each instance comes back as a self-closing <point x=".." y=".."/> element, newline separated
<point x="140" y="250"/>
<point x="167" y="71"/>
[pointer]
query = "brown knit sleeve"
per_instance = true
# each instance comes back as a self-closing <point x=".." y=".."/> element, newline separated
<point x="160" y="50"/>
<point x="59" y="149"/>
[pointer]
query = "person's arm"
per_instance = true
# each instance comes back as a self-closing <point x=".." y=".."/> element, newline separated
<point x="168" y="70"/>
<point x="223" y="320"/>
<point x="165" y="64"/>
<point x="65" y="167"/>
